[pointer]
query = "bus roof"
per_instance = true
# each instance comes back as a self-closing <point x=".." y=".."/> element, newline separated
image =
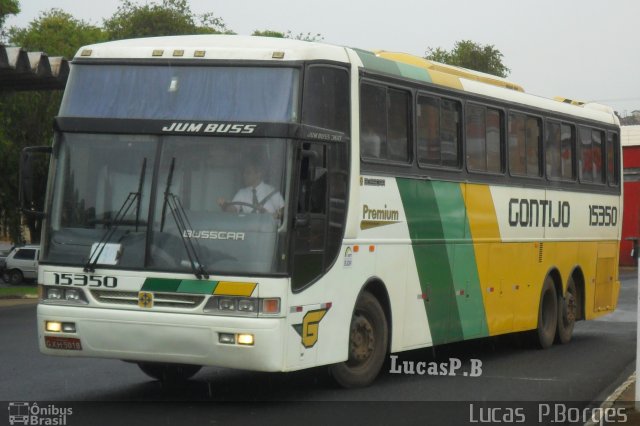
<point x="214" y="46"/>
<point x="233" y="47"/>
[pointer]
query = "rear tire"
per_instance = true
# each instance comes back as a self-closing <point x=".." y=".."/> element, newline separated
<point x="368" y="342"/>
<point x="567" y="312"/>
<point x="169" y="373"/>
<point x="545" y="333"/>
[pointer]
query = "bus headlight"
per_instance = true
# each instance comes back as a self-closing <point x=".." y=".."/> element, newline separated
<point x="67" y="296"/>
<point x="242" y="306"/>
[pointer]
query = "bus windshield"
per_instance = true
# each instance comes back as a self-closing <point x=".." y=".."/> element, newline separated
<point x="223" y="93"/>
<point x="201" y="210"/>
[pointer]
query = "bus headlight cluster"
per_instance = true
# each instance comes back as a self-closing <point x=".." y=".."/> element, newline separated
<point x="242" y="306"/>
<point x="63" y="295"/>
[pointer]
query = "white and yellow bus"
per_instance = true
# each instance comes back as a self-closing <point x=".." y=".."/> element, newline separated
<point x="270" y="204"/>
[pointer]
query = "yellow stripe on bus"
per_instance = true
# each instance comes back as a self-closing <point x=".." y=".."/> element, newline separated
<point x="230" y="288"/>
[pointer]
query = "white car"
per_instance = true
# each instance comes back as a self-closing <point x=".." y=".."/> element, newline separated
<point x="22" y="263"/>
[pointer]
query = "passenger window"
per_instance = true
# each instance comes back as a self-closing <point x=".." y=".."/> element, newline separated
<point x="591" y="167"/>
<point x="483" y="130"/>
<point x="567" y="151"/>
<point x="398" y="136"/>
<point x="552" y="150"/>
<point x="524" y="145"/>
<point x="439" y="127"/>
<point x="385" y="130"/>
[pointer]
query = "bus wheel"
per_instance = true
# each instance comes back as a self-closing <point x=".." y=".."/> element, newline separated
<point x="368" y="340"/>
<point x="567" y="312"/>
<point x="169" y="373"/>
<point x="547" y="316"/>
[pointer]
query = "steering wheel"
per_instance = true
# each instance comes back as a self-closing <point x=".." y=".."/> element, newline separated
<point x="259" y="207"/>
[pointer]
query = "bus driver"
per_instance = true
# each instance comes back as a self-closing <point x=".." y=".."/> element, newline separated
<point x="257" y="196"/>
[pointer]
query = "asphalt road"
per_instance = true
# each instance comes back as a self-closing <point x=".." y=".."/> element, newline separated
<point x="599" y="358"/>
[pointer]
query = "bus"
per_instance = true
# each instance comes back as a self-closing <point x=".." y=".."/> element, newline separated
<point x="273" y="205"/>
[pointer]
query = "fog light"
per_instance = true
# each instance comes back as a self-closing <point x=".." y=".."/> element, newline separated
<point x="245" y="339"/>
<point x="227" y="338"/>
<point x="54" y="293"/>
<point x="69" y="327"/>
<point x="53" y="326"/>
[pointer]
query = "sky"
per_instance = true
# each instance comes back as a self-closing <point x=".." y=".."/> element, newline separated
<point x="578" y="49"/>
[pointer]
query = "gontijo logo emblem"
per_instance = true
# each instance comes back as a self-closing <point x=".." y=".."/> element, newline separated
<point x="310" y="328"/>
<point x="145" y="299"/>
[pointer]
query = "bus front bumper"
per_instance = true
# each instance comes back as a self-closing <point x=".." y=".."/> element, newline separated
<point x="162" y="337"/>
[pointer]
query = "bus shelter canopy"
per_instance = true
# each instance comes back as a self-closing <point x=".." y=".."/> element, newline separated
<point x="21" y="70"/>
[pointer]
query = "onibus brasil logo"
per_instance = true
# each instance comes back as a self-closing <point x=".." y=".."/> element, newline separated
<point x="26" y="413"/>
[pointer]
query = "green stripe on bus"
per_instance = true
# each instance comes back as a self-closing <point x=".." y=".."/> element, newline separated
<point x="464" y="271"/>
<point x="165" y="285"/>
<point x="434" y="258"/>
<point x="169" y="285"/>
<point x="372" y="62"/>
<point x="409" y="71"/>
<point x="197" y="286"/>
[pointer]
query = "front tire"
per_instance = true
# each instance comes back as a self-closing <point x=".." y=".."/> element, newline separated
<point x="15" y="277"/>
<point x="545" y="333"/>
<point x="169" y="373"/>
<point x="567" y="312"/>
<point x="368" y="342"/>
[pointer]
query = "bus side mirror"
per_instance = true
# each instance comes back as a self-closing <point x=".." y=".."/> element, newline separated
<point x="34" y="162"/>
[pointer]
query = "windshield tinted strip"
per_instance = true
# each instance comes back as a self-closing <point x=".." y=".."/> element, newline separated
<point x="198" y="128"/>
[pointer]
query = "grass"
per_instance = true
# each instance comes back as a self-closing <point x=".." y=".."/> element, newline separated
<point x="18" y="291"/>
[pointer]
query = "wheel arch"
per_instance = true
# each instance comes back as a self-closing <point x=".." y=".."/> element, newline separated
<point x="378" y="289"/>
<point x="555" y="276"/>
<point x="578" y="280"/>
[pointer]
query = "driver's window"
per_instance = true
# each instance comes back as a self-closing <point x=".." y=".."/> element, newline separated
<point x="311" y="230"/>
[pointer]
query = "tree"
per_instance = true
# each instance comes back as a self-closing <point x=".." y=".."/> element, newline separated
<point x="26" y="117"/>
<point x="171" y="17"/>
<point x="474" y="56"/>
<point x="288" y="34"/>
<point x="268" y="33"/>
<point x="7" y="7"/>
<point x="57" y="33"/>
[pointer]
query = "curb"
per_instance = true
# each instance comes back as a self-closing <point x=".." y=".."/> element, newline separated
<point x="8" y="302"/>
<point x="623" y="397"/>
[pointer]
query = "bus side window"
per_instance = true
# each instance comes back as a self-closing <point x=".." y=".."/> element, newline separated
<point x="552" y="150"/>
<point x="428" y="113"/>
<point x="525" y="138"/>
<point x="439" y="130"/>
<point x="591" y="155"/>
<point x="517" y="150"/>
<point x="567" y="151"/>
<point x="373" y="122"/>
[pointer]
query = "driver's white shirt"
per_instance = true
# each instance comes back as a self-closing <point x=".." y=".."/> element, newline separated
<point x="245" y="195"/>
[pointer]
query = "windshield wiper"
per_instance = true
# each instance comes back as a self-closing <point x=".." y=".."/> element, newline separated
<point x="182" y="221"/>
<point x="95" y="254"/>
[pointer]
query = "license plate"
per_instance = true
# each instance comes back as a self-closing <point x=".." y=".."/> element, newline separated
<point x="65" y="343"/>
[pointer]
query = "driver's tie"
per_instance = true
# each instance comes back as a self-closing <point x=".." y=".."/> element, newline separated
<point x="255" y="201"/>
